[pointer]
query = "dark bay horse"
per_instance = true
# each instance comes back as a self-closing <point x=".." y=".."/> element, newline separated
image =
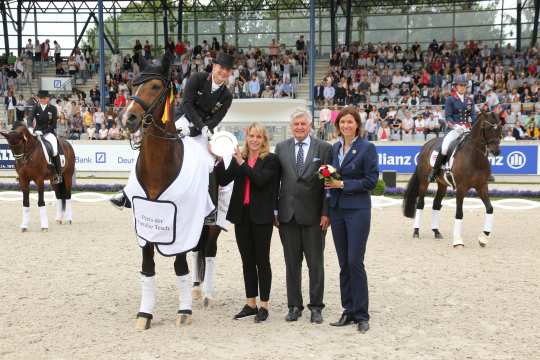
<point x="471" y="170"/>
<point x="161" y="155"/>
<point x="31" y="165"/>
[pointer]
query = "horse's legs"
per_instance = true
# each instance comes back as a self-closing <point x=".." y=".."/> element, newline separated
<point x="436" y="212"/>
<point x="41" y="205"/>
<point x="458" y="222"/>
<point x="419" y="207"/>
<point x="195" y="270"/>
<point x="68" y="212"/>
<point x="183" y="316"/>
<point x="59" y="207"/>
<point x="483" y="238"/>
<point x="210" y="263"/>
<point x="148" y="288"/>
<point x="25" y="187"/>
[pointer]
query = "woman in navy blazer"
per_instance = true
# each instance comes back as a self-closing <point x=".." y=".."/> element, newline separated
<point x="350" y="214"/>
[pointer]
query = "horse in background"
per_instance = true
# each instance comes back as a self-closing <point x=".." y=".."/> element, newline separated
<point x="31" y="165"/>
<point x="470" y="169"/>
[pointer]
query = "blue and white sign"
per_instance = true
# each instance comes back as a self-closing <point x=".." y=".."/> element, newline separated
<point x="513" y="160"/>
<point x="6" y="157"/>
<point x="56" y="83"/>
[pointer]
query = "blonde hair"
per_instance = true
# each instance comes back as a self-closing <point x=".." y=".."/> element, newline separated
<point x="265" y="146"/>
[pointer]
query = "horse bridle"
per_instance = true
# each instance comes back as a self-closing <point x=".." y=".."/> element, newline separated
<point x="486" y="143"/>
<point x="148" y="118"/>
<point x="24" y="156"/>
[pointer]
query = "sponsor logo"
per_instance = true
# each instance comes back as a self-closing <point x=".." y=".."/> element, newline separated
<point x="101" y="158"/>
<point x="385" y="159"/>
<point x="516" y="160"/>
<point x="5" y="154"/>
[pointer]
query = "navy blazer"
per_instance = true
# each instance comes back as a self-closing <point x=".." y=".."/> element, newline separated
<point x="359" y="172"/>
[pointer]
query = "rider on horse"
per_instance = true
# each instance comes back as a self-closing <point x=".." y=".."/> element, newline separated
<point x="460" y="116"/>
<point x="44" y="117"/>
<point x="205" y="102"/>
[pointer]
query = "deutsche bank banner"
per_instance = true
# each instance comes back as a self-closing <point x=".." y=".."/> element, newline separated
<point x="513" y="160"/>
<point x="102" y="156"/>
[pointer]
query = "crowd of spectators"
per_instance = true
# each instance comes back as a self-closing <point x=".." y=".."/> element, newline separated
<point x="403" y="91"/>
<point x="268" y="73"/>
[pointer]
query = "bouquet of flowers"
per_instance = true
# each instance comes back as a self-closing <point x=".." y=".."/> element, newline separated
<point x="328" y="172"/>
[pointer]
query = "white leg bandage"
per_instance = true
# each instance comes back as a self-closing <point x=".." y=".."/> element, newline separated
<point x="68" y="214"/>
<point x="195" y="267"/>
<point x="43" y="217"/>
<point x="25" y="217"/>
<point x="458" y="223"/>
<point x="488" y="223"/>
<point x="209" y="273"/>
<point x="417" y="218"/>
<point x="59" y="212"/>
<point x="148" y="294"/>
<point x="435" y="217"/>
<point x="184" y="292"/>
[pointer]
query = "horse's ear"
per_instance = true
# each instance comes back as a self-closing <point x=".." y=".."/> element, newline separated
<point x="166" y="62"/>
<point x="4" y="134"/>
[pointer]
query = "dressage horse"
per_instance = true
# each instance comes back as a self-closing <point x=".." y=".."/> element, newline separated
<point x="161" y="157"/>
<point x="470" y="169"/>
<point x="31" y="165"/>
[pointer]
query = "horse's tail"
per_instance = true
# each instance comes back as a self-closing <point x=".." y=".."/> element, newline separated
<point x="411" y="195"/>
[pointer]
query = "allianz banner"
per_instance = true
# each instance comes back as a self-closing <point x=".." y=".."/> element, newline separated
<point x="101" y="156"/>
<point x="513" y="160"/>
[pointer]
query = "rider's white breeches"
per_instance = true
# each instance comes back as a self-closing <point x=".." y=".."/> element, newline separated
<point x="451" y="137"/>
<point x="52" y="139"/>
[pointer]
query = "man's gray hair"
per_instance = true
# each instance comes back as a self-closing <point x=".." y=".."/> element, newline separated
<point x="301" y="113"/>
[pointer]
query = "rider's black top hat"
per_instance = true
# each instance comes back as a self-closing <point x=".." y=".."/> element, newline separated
<point x="224" y="60"/>
<point x="43" y="94"/>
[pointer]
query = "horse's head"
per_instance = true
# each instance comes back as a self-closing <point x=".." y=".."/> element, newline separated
<point x="147" y="103"/>
<point x="17" y="140"/>
<point x="490" y="126"/>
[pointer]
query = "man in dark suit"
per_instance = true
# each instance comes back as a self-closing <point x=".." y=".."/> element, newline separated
<point x="302" y="214"/>
<point x="319" y="93"/>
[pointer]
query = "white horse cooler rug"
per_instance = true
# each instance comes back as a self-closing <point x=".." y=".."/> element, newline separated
<point x="174" y="221"/>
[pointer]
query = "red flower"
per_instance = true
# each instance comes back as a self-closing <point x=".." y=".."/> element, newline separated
<point x="325" y="172"/>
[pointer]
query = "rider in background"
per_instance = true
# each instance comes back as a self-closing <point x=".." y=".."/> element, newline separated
<point x="460" y="116"/>
<point x="44" y="117"/>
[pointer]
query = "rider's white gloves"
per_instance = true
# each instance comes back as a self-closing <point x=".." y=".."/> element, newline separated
<point x="206" y="132"/>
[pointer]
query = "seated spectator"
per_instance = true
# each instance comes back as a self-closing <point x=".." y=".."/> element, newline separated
<point x="519" y="131"/>
<point x="62" y="127"/>
<point x="432" y="126"/>
<point x="76" y="126"/>
<point x="267" y="92"/>
<point x="407" y="124"/>
<point x="115" y="133"/>
<point x="329" y="93"/>
<point x="396" y="126"/>
<point x="103" y="133"/>
<point x="532" y="130"/>
<point x="383" y="134"/>
<point x="419" y="125"/>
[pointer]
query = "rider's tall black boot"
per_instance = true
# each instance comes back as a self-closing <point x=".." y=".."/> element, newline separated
<point x="436" y="167"/>
<point x="213" y="190"/>
<point x="120" y="201"/>
<point x="57" y="177"/>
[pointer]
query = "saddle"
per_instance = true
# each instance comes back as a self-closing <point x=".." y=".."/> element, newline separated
<point x="48" y="151"/>
<point x="454" y="147"/>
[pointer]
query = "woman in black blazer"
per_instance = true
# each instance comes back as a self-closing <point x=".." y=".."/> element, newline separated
<point x="255" y="172"/>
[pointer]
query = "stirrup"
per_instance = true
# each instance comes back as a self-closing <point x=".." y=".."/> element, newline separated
<point x="211" y="219"/>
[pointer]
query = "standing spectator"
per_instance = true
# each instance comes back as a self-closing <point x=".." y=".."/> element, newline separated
<point x="303" y="214"/>
<point x="329" y="93"/>
<point x="45" y="48"/>
<point x="147" y="50"/>
<point x="20" y="108"/>
<point x="254" y="87"/>
<point x="62" y="127"/>
<point x="95" y="95"/>
<point x="254" y="171"/>
<point x="99" y="119"/>
<point x="273" y="48"/>
<point x="10" y="101"/>
<point x="76" y="126"/>
<point x="350" y="215"/>
<point x="57" y="52"/>
<point x="300" y="45"/>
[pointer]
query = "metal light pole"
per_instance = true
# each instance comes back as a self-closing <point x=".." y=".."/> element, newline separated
<point x="101" y="56"/>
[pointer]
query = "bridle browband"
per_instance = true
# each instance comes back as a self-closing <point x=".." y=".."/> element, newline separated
<point x="148" y="118"/>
